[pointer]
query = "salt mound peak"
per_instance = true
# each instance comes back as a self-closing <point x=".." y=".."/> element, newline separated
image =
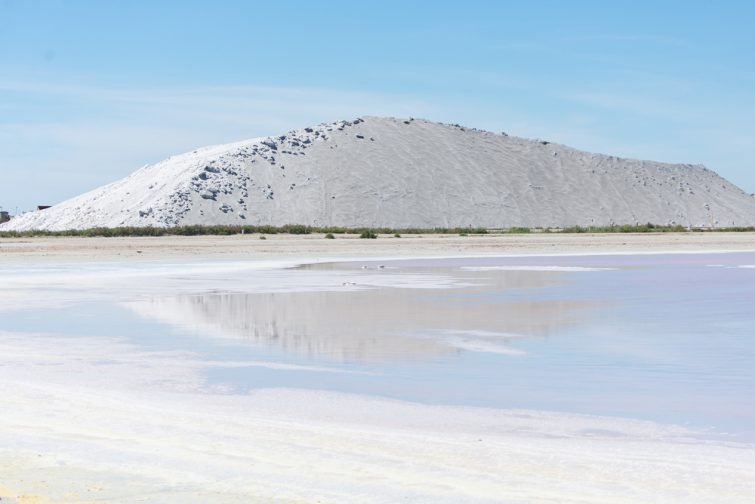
<point x="401" y="173"/>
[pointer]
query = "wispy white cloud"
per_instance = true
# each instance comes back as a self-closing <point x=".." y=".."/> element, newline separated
<point x="327" y="104"/>
<point x="636" y="104"/>
<point x="631" y="38"/>
<point x="584" y="44"/>
<point x="133" y="123"/>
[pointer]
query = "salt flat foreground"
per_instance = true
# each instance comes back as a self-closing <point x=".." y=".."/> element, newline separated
<point x="103" y="419"/>
<point x="148" y="433"/>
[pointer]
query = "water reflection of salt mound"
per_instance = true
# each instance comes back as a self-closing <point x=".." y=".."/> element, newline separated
<point x="375" y="324"/>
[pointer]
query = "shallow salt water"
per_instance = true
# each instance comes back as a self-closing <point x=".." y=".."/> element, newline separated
<point x="667" y="337"/>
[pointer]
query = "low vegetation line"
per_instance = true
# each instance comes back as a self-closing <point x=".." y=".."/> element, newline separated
<point x="297" y="229"/>
<point x="364" y="232"/>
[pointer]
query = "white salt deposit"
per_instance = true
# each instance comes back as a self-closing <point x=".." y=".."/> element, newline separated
<point x="101" y="419"/>
<point x="476" y="341"/>
<point x="745" y="266"/>
<point x="140" y="426"/>
<point x="533" y="268"/>
<point x="402" y="173"/>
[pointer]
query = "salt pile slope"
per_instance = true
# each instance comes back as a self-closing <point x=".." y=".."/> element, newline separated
<point x="402" y="173"/>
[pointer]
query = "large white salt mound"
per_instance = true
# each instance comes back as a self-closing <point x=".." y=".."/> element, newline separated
<point x="402" y="173"/>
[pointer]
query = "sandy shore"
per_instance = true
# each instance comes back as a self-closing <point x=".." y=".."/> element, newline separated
<point x="24" y="250"/>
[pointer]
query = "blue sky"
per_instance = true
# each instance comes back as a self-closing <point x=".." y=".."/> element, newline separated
<point x="92" y="90"/>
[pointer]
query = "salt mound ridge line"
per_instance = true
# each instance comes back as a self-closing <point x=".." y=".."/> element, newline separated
<point x="387" y="172"/>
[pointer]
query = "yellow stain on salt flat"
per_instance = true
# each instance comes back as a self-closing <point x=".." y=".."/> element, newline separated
<point x="5" y="494"/>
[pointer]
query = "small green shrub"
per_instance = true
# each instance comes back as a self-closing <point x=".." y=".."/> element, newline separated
<point x="295" y="229"/>
<point x="627" y="228"/>
<point x="368" y="233"/>
<point x="518" y="230"/>
<point x="330" y="236"/>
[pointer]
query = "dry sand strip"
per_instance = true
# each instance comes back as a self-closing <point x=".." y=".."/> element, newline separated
<point x="74" y="249"/>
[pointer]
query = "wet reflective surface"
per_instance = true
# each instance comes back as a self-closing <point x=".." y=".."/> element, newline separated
<point x="661" y="337"/>
<point x="379" y="324"/>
